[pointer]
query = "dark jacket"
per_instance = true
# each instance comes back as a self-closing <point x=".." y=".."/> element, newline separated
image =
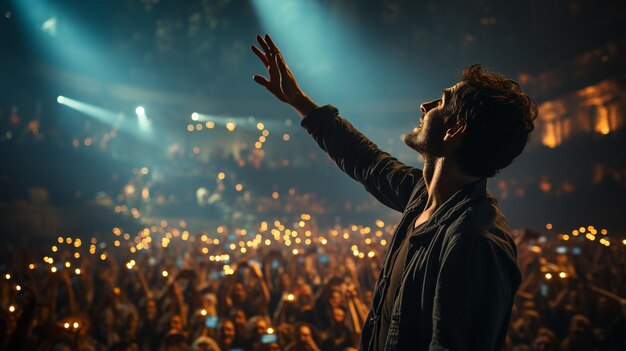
<point x="461" y="271"/>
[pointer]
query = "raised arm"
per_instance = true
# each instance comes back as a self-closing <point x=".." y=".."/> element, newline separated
<point x="388" y="179"/>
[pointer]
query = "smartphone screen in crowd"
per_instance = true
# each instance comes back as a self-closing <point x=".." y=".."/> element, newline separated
<point x="269" y="338"/>
<point x="210" y="322"/>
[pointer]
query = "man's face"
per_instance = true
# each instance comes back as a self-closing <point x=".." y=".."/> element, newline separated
<point x="427" y="138"/>
<point x="176" y="323"/>
<point x="228" y="331"/>
<point x="303" y="334"/>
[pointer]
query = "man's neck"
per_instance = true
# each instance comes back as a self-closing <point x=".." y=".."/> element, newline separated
<point x="443" y="179"/>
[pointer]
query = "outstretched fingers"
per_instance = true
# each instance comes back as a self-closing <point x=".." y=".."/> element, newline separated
<point x="271" y="44"/>
<point x="260" y="55"/>
<point x="261" y="80"/>
<point x="263" y="44"/>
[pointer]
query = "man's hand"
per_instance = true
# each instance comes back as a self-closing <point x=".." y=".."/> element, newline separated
<point x="282" y="83"/>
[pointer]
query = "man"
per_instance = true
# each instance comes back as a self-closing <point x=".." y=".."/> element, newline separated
<point x="303" y="340"/>
<point x="450" y="273"/>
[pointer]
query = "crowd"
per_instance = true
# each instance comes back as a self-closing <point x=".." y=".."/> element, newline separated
<point x="276" y="289"/>
<point x="301" y="284"/>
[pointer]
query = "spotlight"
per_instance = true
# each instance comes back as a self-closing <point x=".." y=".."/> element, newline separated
<point x="60" y="99"/>
<point x="140" y="111"/>
<point x="195" y="116"/>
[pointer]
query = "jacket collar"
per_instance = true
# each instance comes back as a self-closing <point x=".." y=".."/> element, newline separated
<point x="466" y="194"/>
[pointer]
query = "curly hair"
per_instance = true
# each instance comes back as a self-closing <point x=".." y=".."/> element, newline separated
<point x="499" y="119"/>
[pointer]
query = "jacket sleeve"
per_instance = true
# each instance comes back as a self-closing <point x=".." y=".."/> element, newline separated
<point x="383" y="176"/>
<point x="473" y="297"/>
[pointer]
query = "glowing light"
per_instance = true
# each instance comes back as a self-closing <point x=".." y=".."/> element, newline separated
<point x="60" y="99"/>
<point x="31" y="266"/>
<point x="11" y="308"/>
<point x="195" y="116"/>
<point x="53" y="269"/>
<point x="203" y="312"/>
<point x="270" y="330"/>
<point x="221" y="176"/>
<point x="75" y="325"/>
<point x="548" y="276"/>
<point x="18" y="288"/>
<point x="140" y="111"/>
<point x="260" y="126"/>
<point x="231" y="126"/>
<point x="77" y="271"/>
<point x="290" y="297"/>
<point x="549" y="226"/>
<point x="164" y="274"/>
<point x="286" y="137"/>
<point x="7" y="276"/>
<point x="562" y="275"/>
<point x="66" y="325"/>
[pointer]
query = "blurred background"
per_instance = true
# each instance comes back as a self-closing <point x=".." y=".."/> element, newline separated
<point x="82" y="163"/>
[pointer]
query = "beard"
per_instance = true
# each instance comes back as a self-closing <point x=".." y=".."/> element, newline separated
<point x="427" y="139"/>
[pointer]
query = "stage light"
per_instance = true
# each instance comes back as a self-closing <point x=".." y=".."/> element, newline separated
<point x="60" y="99"/>
<point x="140" y="111"/>
<point x="195" y="116"/>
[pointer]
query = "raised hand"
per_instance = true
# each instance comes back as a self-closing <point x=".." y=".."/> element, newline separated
<point x="281" y="83"/>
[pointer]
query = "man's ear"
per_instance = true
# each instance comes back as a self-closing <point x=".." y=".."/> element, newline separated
<point x="455" y="133"/>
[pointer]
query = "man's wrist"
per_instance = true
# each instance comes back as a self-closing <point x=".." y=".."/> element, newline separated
<point x="304" y="105"/>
